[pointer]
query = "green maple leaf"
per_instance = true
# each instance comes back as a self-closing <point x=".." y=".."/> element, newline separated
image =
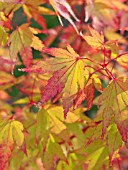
<point x="114" y="141"/>
<point x="52" y="149"/>
<point x="96" y="155"/>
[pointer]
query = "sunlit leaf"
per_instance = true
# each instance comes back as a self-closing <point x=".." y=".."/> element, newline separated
<point x="20" y="39"/>
<point x="113" y="101"/>
<point x="96" y="40"/>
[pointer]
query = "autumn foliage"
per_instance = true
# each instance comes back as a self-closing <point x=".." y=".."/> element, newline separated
<point x="63" y="84"/>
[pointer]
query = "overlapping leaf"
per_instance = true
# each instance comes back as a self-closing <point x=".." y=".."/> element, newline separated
<point x="97" y="155"/>
<point x="57" y="122"/>
<point x="114" y="101"/>
<point x="33" y="10"/>
<point x="21" y="40"/>
<point x="101" y="13"/>
<point x="7" y="80"/>
<point x="96" y="40"/>
<point x="114" y="141"/>
<point x="51" y="153"/>
<point x="63" y="8"/>
<point x="68" y="75"/>
<point x="10" y="133"/>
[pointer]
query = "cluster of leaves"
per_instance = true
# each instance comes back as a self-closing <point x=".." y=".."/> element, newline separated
<point x="60" y="61"/>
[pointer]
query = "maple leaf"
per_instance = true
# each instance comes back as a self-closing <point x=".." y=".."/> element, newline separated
<point x="63" y="8"/>
<point x="37" y="43"/>
<point x="57" y="121"/>
<point x="96" y="40"/>
<point x="68" y="71"/>
<point x="21" y="40"/>
<point x="51" y="149"/>
<point x="96" y="155"/>
<point x="10" y="132"/>
<point x="70" y="75"/>
<point x="101" y="13"/>
<point x="113" y="101"/>
<point x="114" y="141"/>
<point x="31" y="9"/>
